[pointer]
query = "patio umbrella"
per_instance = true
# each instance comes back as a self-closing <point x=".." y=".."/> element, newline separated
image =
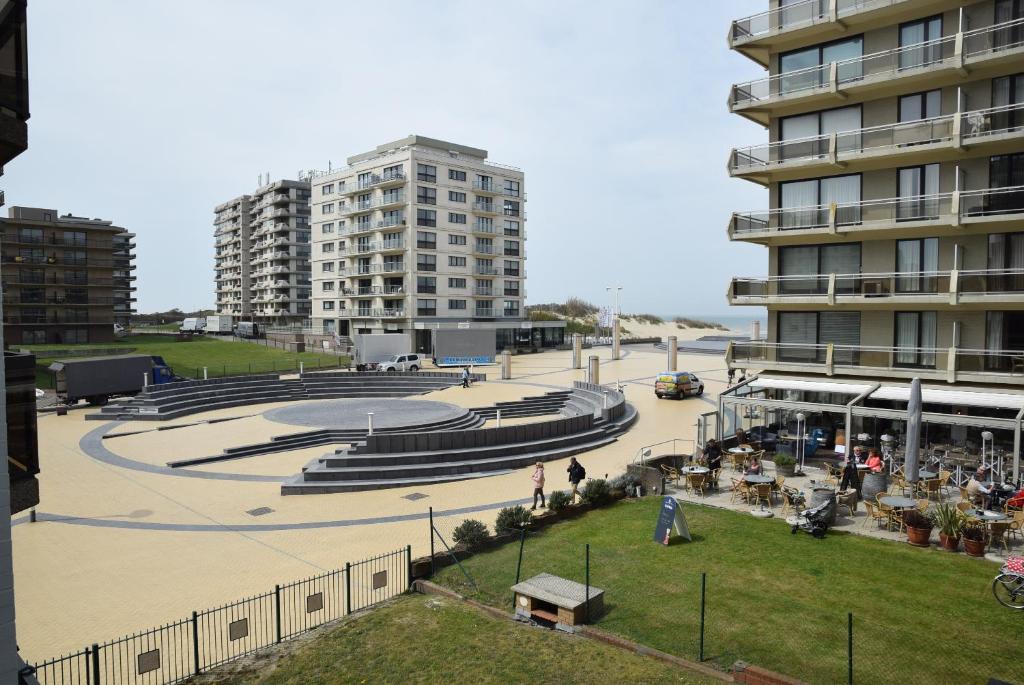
<point x="912" y="457"/>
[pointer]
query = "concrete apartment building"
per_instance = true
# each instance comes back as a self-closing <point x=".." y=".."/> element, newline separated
<point x="263" y="255"/>
<point x="66" y="279"/>
<point x="420" y="234"/>
<point x="894" y="231"/>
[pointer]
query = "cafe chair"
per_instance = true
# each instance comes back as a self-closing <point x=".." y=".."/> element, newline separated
<point x="713" y="478"/>
<point x="787" y="500"/>
<point x="670" y="473"/>
<point x="944" y="478"/>
<point x="922" y="505"/>
<point x="964" y="506"/>
<point x="1016" y="529"/>
<point x="964" y="497"/>
<point x="997" y="534"/>
<point x="874" y="514"/>
<point x="847" y="499"/>
<point x="832" y="475"/>
<point x="900" y="485"/>
<point x="696" y="482"/>
<point x="737" y="461"/>
<point x="739" y="490"/>
<point x="760" y="492"/>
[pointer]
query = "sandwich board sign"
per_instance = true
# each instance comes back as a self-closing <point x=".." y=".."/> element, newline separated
<point x="671" y="516"/>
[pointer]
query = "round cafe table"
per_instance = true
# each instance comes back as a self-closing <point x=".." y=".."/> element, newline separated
<point x="694" y="469"/>
<point x="740" y="450"/>
<point x="754" y="480"/>
<point x="987" y="515"/>
<point x="898" y="502"/>
<point x="926" y="475"/>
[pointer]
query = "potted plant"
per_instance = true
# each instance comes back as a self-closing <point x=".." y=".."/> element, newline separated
<point x="785" y="465"/>
<point x="919" y="527"/>
<point x="950" y="521"/>
<point x="974" y="538"/>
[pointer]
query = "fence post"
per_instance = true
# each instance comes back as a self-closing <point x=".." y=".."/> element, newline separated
<point x="588" y="583"/>
<point x="277" y="612"/>
<point x="430" y="512"/>
<point x="703" y="581"/>
<point x="408" y="566"/>
<point x="195" y="642"/>
<point x="849" y="648"/>
<point x="348" y="588"/>
<point x="95" y="664"/>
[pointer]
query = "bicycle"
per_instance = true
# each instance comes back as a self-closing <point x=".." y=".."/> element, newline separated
<point x="1008" y="586"/>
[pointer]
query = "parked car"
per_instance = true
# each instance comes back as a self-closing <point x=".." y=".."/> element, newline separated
<point x="677" y="384"/>
<point x="401" y="362"/>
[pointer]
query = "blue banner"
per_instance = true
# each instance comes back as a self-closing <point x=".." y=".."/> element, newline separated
<point x="466" y="361"/>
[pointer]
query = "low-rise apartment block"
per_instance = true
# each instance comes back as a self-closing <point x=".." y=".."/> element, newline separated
<point x="263" y="255"/>
<point x="66" y="279"/>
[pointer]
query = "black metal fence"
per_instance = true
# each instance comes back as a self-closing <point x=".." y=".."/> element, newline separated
<point x="179" y="650"/>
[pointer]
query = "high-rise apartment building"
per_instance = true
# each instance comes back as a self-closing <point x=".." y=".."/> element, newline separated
<point x="263" y="255"/>
<point x="419" y="234"/>
<point x="66" y="279"/>
<point x="894" y="170"/>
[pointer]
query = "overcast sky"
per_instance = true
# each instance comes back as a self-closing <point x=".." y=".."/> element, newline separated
<point x="150" y="112"/>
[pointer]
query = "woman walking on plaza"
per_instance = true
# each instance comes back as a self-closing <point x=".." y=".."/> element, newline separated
<point x="538" y="485"/>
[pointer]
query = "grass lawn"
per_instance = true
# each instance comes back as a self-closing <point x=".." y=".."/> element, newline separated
<point x="775" y="600"/>
<point x="222" y="357"/>
<point x="420" y="639"/>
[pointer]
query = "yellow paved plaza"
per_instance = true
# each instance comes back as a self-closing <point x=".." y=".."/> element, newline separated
<point x="118" y="549"/>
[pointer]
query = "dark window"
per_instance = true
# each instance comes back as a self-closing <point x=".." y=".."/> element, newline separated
<point x="511" y="267"/>
<point x="511" y="248"/>
<point x="426" y="262"/>
<point x="456" y="218"/>
<point x="916" y="106"/>
<point x="915" y="339"/>
<point x="426" y="284"/>
<point x="456" y="282"/>
<point x="456" y="175"/>
<point x="924" y="34"/>
<point x="426" y="196"/>
<point x="426" y="307"/>
<point x="511" y="208"/>
<point x="456" y="240"/>
<point x="456" y="304"/>
<point x="456" y="196"/>
<point x="426" y="217"/>
<point x="426" y="240"/>
<point x="918" y="189"/>
<point x="426" y="172"/>
<point x="456" y="261"/>
<point x="808" y="67"/>
<point x="1008" y="11"/>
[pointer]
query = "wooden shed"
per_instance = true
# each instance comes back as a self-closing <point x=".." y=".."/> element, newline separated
<point x="555" y="599"/>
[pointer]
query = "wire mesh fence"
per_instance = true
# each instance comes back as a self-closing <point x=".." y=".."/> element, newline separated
<point x="173" y="652"/>
<point x="265" y="366"/>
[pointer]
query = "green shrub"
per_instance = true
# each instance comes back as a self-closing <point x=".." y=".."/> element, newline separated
<point x="781" y="459"/>
<point x="471" y="533"/>
<point x="558" y="500"/>
<point x="512" y="519"/>
<point x="597" y="491"/>
<point x="625" y="481"/>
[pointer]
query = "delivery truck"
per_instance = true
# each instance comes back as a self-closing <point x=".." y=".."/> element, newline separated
<point x="248" y="329"/>
<point x="192" y="324"/>
<point x="464" y="346"/>
<point x="218" y="324"/>
<point x="371" y="349"/>
<point x="97" y="379"/>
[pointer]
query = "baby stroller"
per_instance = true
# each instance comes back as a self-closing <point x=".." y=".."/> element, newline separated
<point x="814" y="521"/>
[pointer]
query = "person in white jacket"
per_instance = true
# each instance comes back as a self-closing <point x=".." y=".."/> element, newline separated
<point x="538" y="485"/>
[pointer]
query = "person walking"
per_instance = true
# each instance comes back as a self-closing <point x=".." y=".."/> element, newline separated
<point x="732" y="377"/>
<point x="576" y="474"/>
<point x="465" y="376"/>
<point x="538" y="485"/>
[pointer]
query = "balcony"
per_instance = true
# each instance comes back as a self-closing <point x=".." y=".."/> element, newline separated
<point x="486" y="207"/>
<point x="484" y="312"/>
<point x="486" y="186"/>
<point x="486" y="271"/>
<point x="392" y="245"/>
<point x="392" y="267"/>
<point x="483" y="292"/>
<point x="883" y="290"/>
<point x="931" y="64"/>
<point x="977" y="133"/>
<point x="487" y="228"/>
<point x="364" y="313"/>
<point x="364" y="226"/>
<point x="808" y="21"/>
<point x="944" y="364"/>
<point x="375" y="181"/>
<point x="901" y="217"/>
<point x="485" y="249"/>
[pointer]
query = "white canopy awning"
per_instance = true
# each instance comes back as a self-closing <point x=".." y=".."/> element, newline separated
<point x="808" y="385"/>
<point x="959" y="398"/>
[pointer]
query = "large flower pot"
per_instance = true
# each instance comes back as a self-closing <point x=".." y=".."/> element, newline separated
<point x="821" y="495"/>
<point x="918" y="537"/>
<point x="786" y="470"/>
<point x="949" y="543"/>
<point x="873" y="484"/>
<point x="974" y="548"/>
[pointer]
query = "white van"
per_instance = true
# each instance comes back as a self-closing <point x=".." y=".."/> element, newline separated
<point x="193" y="325"/>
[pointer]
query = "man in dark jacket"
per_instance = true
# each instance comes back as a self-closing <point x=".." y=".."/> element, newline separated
<point x="576" y="474"/>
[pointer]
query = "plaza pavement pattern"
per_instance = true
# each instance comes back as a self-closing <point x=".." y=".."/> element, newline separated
<point x="123" y="542"/>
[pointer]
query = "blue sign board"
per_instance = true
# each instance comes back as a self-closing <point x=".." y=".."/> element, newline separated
<point x="466" y="361"/>
<point x="671" y="516"/>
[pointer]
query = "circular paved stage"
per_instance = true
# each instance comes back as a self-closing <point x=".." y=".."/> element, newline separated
<point x="351" y="414"/>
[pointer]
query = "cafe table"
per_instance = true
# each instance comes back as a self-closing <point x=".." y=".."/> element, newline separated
<point x="694" y="469"/>
<point x="897" y="502"/>
<point x="755" y="479"/>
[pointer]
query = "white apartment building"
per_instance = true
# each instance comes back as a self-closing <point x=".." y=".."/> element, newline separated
<point x="263" y="255"/>
<point x="419" y="234"/>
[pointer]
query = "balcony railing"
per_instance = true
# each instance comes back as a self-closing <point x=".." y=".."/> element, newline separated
<point x="484" y="228"/>
<point x="485" y="249"/>
<point x="799" y="15"/>
<point x="486" y="271"/>
<point x="483" y="311"/>
<point x="950" y="364"/>
<point x="940" y="209"/>
<point x="487" y="207"/>
<point x="952" y="129"/>
<point x="941" y="286"/>
<point x="392" y="267"/>
<point x="953" y="51"/>
<point x="483" y="292"/>
<point x="361" y="186"/>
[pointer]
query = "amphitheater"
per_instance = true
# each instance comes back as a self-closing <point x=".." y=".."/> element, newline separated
<point x="192" y="494"/>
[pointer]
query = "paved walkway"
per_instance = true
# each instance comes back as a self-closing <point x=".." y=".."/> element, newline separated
<point x="123" y="542"/>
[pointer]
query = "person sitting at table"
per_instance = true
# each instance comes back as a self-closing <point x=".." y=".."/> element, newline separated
<point x="977" y="491"/>
<point x="858" y="455"/>
<point x="754" y="467"/>
<point x="874" y="461"/>
<point x="712" y="455"/>
<point x="741" y="437"/>
<point x="850" y="479"/>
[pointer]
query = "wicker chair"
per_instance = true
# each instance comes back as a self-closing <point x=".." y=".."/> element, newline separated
<point x="847" y="499"/>
<point x="740" y="490"/>
<point x="713" y="478"/>
<point x="760" y="492"/>
<point x="964" y="506"/>
<point x="1016" y="529"/>
<point x="788" y="495"/>
<point x="874" y="514"/>
<point x="737" y="460"/>
<point x="944" y="478"/>
<point x="670" y="473"/>
<point x="997" y="534"/>
<point x="697" y="482"/>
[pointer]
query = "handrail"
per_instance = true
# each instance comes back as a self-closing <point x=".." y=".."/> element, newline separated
<point x="798" y="15"/>
<point x="644" y="452"/>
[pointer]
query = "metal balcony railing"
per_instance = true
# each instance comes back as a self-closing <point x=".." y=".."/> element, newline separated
<point x="483" y="311"/>
<point x="484" y="228"/>
<point x="952" y="51"/>
<point x="488" y="207"/>
<point x="798" y="15"/>
<point x="940" y="209"/>
<point x="362" y="185"/>
<point x="951" y="129"/>
<point x="483" y="292"/>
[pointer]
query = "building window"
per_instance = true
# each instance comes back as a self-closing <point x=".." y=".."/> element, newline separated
<point x="76" y="335"/>
<point x="512" y="288"/>
<point x="485" y="183"/>
<point x="806" y="335"/>
<point x="511" y="208"/>
<point x="426" y="240"/>
<point x="917" y="188"/>
<point x="426" y="196"/>
<point x="426" y="262"/>
<point x="512" y="228"/>
<point x="456" y="175"/>
<point x="819" y="124"/>
<point x="392" y="173"/>
<point x="327" y="248"/>
<point x="328" y="306"/>
<point x="806" y="62"/>
<point x="426" y="307"/>
<point x="456" y="282"/>
<point x="77" y="238"/>
<point x="915" y="339"/>
<point x="456" y="261"/>
<point x="456" y="239"/>
<point x="920" y="33"/>
<point x="327" y="228"/>
<point x="511" y="267"/>
<point x="805" y="204"/>
<point x="919" y="260"/>
<point x="456" y="218"/>
<point x="511" y="308"/>
<point x="512" y="188"/>
<point x="327" y="267"/>
<point x="512" y="248"/>
<point x="327" y="286"/>
<point x="456" y="304"/>
<point x="426" y="172"/>
<point x="426" y="284"/>
<point x="919" y="106"/>
<point x="426" y="217"/>
<point x="327" y="189"/>
<point x="456" y="196"/>
<point x="327" y="208"/>
<point x="805" y="268"/>
<point x="364" y="180"/>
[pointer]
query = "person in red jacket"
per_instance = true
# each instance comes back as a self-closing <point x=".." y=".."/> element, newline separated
<point x="874" y="461"/>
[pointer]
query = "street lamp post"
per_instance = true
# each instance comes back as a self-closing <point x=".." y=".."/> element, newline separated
<point x="615" y="321"/>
